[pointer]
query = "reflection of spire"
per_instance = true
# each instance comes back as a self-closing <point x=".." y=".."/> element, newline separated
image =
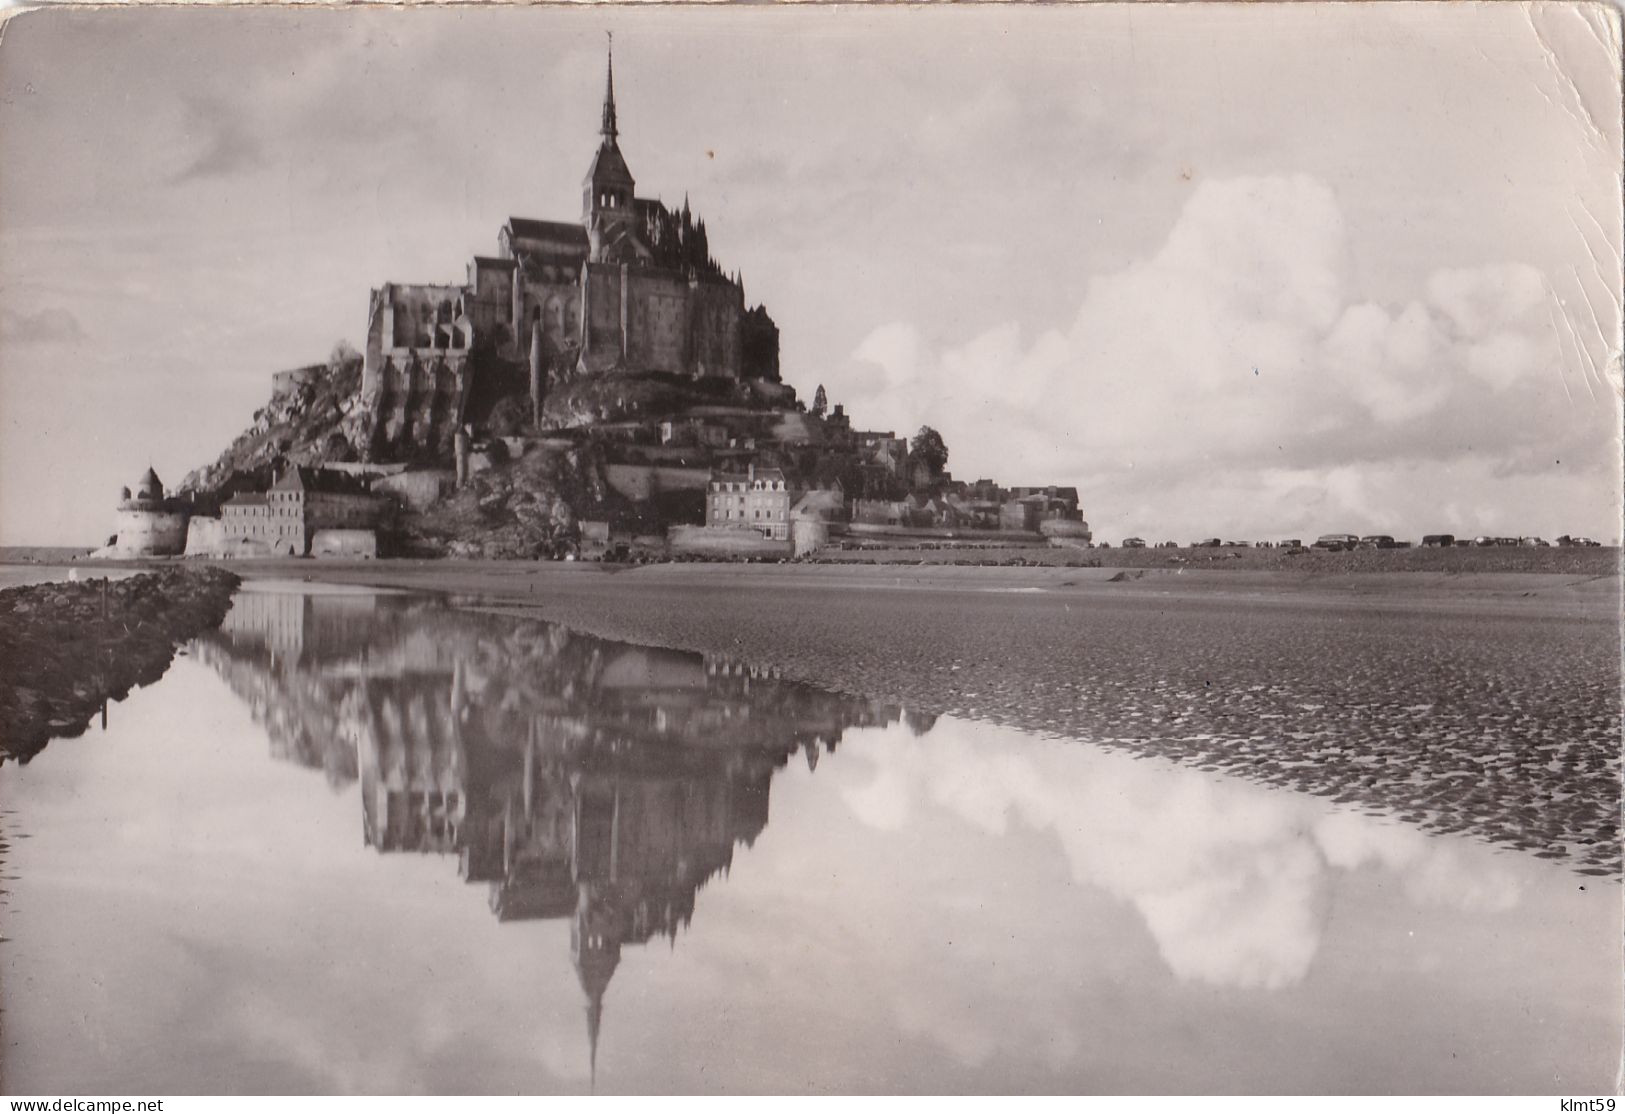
<point x="595" y="1018"/>
<point x="597" y="954"/>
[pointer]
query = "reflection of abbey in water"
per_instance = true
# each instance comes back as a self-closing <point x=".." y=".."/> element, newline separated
<point x="578" y="778"/>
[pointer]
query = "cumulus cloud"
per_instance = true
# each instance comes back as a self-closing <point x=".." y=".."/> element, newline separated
<point x="48" y="326"/>
<point x="1235" y="380"/>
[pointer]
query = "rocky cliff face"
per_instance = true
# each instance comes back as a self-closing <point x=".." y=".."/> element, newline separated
<point x="313" y="422"/>
<point x="527" y="508"/>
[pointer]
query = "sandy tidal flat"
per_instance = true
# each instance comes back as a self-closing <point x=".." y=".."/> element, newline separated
<point x="1482" y="704"/>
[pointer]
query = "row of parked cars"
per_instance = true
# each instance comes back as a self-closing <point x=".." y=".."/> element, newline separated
<point x="1338" y="543"/>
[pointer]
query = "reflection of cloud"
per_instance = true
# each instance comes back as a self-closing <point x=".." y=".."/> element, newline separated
<point x="1254" y="924"/>
<point x="48" y="326"/>
<point x="1229" y="877"/>
<point x="1434" y="873"/>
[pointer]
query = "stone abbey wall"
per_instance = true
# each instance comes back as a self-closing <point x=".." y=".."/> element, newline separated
<point x="647" y="319"/>
<point x="629" y="286"/>
<point x="556" y="306"/>
<point x="418" y="401"/>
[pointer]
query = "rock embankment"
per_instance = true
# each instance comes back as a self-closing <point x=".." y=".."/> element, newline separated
<point x="65" y="648"/>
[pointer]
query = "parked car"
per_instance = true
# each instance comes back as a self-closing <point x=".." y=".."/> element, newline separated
<point x="1207" y="543"/>
<point x="1438" y="541"/>
<point x="1484" y="539"/>
<point x="1534" y="543"/>
<point x="1239" y="545"/>
<point x="1133" y="543"/>
<point x="1295" y="550"/>
<point x="1336" y="543"/>
<point x="1292" y="543"/>
<point x="1586" y="542"/>
<point x="1167" y="545"/>
<point x="1378" y="541"/>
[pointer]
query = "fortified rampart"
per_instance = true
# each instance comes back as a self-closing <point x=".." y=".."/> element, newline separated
<point x="151" y="533"/>
<point x="148" y="523"/>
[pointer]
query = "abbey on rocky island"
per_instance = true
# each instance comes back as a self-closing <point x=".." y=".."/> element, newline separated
<point x="629" y="287"/>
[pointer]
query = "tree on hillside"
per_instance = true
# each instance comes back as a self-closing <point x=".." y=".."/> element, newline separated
<point x="928" y="449"/>
<point x="343" y="353"/>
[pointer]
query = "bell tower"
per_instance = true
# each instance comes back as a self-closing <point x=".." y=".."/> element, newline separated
<point x="606" y="194"/>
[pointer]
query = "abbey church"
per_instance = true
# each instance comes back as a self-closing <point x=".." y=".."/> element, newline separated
<point x="630" y="287"/>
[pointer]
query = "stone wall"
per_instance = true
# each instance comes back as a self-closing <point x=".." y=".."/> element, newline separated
<point x="715" y="309"/>
<point x="418" y="490"/>
<point x="1066" y="531"/>
<point x="204" y="537"/>
<point x="556" y="306"/>
<point x="808" y="534"/>
<point x="408" y="317"/>
<point x="417" y="400"/>
<point x="344" y="543"/>
<point x="645" y="319"/>
<point x="724" y="542"/>
<point x="150" y="533"/>
<point x="639" y="482"/>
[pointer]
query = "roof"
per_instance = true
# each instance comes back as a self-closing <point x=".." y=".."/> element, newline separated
<point x="621" y="240"/>
<point x="570" y="233"/>
<point x="609" y="165"/>
<point x="770" y="474"/>
<point x="303" y="478"/>
<point x="245" y="499"/>
<point x="1050" y="490"/>
<point x="493" y="261"/>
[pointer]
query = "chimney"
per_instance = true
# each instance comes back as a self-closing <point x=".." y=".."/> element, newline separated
<point x="751" y="472"/>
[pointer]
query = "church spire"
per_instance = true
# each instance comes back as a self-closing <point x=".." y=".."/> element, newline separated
<point x="608" y="130"/>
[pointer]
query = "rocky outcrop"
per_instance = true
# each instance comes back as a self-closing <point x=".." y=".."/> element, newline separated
<point x="67" y="648"/>
<point x="313" y="419"/>
<point x="525" y="508"/>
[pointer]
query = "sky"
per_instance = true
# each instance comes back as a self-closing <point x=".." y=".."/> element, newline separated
<point x="1253" y="271"/>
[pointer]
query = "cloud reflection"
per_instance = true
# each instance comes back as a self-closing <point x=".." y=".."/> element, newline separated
<point x="1230" y="878"/>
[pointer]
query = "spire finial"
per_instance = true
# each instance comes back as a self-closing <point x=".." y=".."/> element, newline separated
<point x="608" y="130"/>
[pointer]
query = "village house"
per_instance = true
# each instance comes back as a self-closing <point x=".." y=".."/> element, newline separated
<point x="1053" y="502"/>
<point x="880" y="512"/>
<point x="976" y="513"/>
<point x="883" y="450"/>
<point x="759" y="499"/>
<point x="302" y="504"/>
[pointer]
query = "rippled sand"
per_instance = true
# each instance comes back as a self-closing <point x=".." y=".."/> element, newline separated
<point x="1489" y="707"/>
